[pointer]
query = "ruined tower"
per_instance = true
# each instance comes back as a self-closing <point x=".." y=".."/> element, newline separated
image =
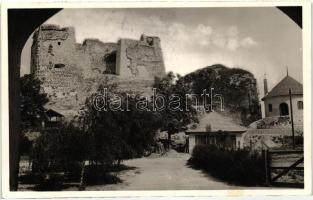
<point x="70" y="71"/>
<point x="141" y="59"/>
<point x="52" y="59"/>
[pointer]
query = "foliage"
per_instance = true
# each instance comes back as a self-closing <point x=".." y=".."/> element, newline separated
<point x="239" y="167"/>
<point x="25" y="145"/>
<point x="237" y="86"/>
<point x="175" y="120"/>
<point x="59" y="150"/>
<point x="116" y="135"/>
<point x="98" y="174"/>
<point x="32" y="101"/>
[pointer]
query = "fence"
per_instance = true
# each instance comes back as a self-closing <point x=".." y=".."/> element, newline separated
<point x="282" y="162"/>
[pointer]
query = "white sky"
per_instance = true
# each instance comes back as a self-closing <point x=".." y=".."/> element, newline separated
<point x="260" y="40"/>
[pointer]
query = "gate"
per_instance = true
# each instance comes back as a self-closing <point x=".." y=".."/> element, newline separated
<point x="279" y="162"/>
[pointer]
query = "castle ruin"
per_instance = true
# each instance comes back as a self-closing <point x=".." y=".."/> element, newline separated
<point x="70" y="71"/>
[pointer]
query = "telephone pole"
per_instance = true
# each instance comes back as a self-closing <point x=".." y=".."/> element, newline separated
<point x="291" y="117"/>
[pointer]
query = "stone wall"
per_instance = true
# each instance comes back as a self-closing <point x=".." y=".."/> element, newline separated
<point x="273" y="131"/>
<point x="98" y="52"/>
<point x="272" y="138"/>
<point x="142" y="59"/>
<point x="71" y="71"/>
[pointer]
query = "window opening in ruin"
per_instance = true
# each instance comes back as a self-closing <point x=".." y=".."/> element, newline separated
<point x="50" y="65"/>
<point x="59" y="43"/>
<point x="110" y="62"/>
<point x="150" y="41"/>
<point x="59" y="65"/>
<point x="50" y="49"/>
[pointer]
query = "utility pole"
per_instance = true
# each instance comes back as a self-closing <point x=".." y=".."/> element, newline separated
<point x="291" y="117"/>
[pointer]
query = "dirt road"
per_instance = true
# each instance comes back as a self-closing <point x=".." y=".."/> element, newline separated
<point x="169" y="172"/>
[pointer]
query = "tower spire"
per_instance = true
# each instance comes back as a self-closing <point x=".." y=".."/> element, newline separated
<point x="287" y="70"/>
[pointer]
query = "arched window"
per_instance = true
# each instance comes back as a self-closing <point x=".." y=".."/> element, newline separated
<point x="284" y="110"/>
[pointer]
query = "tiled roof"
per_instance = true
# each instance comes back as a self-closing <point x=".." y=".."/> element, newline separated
<point x="282" y="88"/>
<point x="218" y="123"/>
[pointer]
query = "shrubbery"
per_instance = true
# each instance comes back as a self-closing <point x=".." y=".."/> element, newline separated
<point x="116" y="135"/>
<point x="57" y="156"/>
<point x="97" y="175"/>
<point x="59" y="150"/>
<point x="105" y="139"/>
<point x="239" y="167"/>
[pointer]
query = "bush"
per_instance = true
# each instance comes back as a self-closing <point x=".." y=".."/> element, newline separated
<point x="51" y="182"/>
<point x="43" y="181"/>
<point x="116" y="135"/>
<point x="25" y="145"/>
<point x="98" y="174"/>
<point x="239" y="167"/>
<point x="59" y="151"/>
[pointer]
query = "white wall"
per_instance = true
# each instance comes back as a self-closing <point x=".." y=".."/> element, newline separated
<point x="192" y="142"/>
<point x="276" y="101"/>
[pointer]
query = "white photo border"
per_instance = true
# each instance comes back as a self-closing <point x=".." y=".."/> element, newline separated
<point x="306" y="31"/>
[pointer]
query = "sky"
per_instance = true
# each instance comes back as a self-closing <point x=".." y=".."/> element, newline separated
<point x="260" y="40"/>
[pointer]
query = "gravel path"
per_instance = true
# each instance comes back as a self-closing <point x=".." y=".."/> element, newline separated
<point x="168" y="172"/>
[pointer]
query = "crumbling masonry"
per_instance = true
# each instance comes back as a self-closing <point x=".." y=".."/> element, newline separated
<point x="70" y="71"/>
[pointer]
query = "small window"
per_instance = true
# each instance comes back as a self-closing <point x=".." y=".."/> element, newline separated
<point x="59" y="43"/>
<point x="50" y="49"/>
<point x="150" y="41"/>
<point x="59" y="65"/>
<point x="270" y="108"/>
<point x="50" y="65"/>
<point x="300" y="105"/>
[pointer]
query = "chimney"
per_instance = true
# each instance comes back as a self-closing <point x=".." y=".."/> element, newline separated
<point x="265" y="85"/>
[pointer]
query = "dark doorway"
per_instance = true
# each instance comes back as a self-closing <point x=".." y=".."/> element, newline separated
<point x="283" y="108"/>
<point x="110" y="63"/>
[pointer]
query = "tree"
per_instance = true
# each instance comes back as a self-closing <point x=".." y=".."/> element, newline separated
<point x="31" y="108"/>
<point x="115" y="135"/>
<point x="59" y="150"/>
<point x="32" y="101"/>
<point x="238" y="88"/>
<point x="175" y="120"/>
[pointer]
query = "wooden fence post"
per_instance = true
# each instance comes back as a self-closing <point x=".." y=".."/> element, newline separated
<point x="269" y="160"/>
<point x="267" y="166"/>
